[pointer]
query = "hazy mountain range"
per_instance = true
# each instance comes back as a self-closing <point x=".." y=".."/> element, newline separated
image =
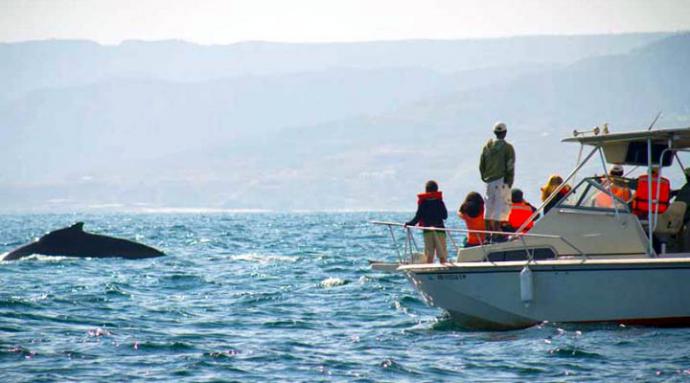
<point x="312" y="126"/>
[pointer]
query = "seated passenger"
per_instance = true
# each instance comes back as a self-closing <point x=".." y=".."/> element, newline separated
<point x="640" y="202"/>
<point x="472" y="212"/>
<point x="551" y="185"/>
<point x="520" y="211"/>
<point x="619" y="188"/>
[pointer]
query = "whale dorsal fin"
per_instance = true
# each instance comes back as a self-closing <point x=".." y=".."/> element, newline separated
<point x="79" y="226"/>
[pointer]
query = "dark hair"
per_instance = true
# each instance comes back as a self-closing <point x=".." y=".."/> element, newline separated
<point x="431" y="186"/>
<point x="501" y="135"/>
<point x="516" y="195"/>
<point x="473" y="205"/>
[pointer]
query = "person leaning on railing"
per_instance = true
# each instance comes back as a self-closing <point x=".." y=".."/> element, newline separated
<point x="431" y="212"/>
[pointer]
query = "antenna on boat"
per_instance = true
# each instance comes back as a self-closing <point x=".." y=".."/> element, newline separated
<point x="654" y="122"/>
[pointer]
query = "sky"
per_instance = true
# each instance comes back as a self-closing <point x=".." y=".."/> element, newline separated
<point x="229" y="21"/>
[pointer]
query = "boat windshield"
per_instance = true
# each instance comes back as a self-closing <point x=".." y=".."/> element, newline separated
<point x="592" y="193"/>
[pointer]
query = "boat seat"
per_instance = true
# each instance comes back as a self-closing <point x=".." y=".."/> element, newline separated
<point x="671" y="221"/>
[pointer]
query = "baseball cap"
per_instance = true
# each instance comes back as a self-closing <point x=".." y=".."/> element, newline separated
<point x="500" y="127"/>
<point x="616" y="170"/>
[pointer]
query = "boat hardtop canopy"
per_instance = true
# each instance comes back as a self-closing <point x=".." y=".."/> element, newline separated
<point x="680" y="137"/>
<point x="631" y="148"/>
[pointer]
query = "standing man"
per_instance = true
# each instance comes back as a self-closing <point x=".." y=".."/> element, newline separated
<point x="497" y="168"/>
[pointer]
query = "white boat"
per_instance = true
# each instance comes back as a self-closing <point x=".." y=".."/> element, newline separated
<point x="580" y="262"/>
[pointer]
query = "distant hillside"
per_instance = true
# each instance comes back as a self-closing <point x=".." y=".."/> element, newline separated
<point x="333" y="138"/>
<point x="441" y="137"/>
<point x="57" y="63"/>
<point x="96" y="124"/>
<point x="625" y="88"/>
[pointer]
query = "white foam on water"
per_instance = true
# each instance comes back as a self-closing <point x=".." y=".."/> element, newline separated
<point x="37" y="257"/>
<point x="399" y="306"/>
<point x="45" y="258"/>
<point x="193" y="210"/>
<point x="332" y="282"/>
<point x="264" y="258"/>
<point x="98" y="331"/>
<point x="38" y="298"/>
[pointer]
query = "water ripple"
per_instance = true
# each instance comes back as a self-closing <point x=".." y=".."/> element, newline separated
<point x="275" y="297"/>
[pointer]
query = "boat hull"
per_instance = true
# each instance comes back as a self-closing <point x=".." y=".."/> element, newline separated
<point x="649" y="291"/>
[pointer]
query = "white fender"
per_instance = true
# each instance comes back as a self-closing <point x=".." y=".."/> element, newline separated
<point x="526" y="286"/>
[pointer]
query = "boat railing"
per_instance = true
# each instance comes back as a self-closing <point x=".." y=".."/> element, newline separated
<point x="410" y="244"/>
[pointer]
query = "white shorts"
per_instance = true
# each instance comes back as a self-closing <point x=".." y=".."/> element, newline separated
<point x="498" y="201"/>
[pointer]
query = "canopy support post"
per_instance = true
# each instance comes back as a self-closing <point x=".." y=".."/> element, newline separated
<point x="650" y="216"/>
<point x="609" y="182"/>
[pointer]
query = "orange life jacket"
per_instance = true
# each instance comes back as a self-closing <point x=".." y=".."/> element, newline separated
<point x="622" y="192"/>
<point x="603" y="198"/>
<point x="475" y="223"/>
<point x="641" y="199"/>
<point x="519" y="213"/>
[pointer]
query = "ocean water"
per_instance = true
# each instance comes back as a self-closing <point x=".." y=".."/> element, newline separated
<point x="275" y="297"/>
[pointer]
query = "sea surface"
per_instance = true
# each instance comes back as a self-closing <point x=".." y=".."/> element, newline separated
<point x="275" y="297"/>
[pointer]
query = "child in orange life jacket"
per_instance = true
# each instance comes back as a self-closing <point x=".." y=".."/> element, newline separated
<point x="472" y="212"/>
<point x="520" y="211"/>
<point x="431" y="212"/>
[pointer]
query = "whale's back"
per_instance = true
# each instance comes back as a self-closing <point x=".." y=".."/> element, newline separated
<point x="73" y="241"/>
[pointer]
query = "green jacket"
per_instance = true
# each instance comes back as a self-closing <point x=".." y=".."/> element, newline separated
<point x="497" y="161"/>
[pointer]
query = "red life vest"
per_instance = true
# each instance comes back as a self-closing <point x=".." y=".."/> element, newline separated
<point x="475" y="223"/>
<point x="641" y="198"/>
<point x="519" y="214"/>
<point x="421" y="197"/>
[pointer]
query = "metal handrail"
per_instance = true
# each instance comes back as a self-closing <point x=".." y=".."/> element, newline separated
<point x="471" y="231"/>
<point x="430" y="228"/>
<point x="658" y="182"/>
